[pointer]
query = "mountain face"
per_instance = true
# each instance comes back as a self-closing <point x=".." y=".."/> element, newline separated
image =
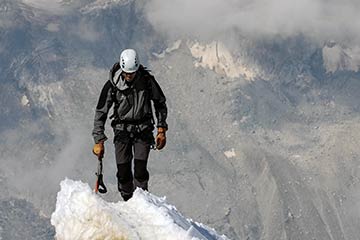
<point x="262" y="140"/>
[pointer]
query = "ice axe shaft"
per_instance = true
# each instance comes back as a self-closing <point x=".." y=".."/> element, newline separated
<point x="100" y="186"/>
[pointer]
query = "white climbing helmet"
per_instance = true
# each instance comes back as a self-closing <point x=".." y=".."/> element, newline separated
<point x="129" y="61"/>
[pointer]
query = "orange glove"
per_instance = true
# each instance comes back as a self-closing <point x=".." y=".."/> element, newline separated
<point x="160" y="138"/>
<point x="99" y="149"/>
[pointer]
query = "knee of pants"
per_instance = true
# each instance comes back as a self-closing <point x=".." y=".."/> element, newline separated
<point x="124" y="173"/>
<point x="140" y="171"/>
<point x="123" y="152"/>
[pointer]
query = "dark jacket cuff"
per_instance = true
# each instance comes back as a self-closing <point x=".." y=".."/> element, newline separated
<point x="162" y="125"/>
<point x="100" y="138"/>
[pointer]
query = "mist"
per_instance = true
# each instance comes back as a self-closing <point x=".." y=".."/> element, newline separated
<point x="319" y="20"/>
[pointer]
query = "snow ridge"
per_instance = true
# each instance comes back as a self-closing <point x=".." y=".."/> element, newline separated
<point x="81" y="214"/>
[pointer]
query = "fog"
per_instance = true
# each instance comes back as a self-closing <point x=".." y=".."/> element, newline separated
<point x="318" y="19"/>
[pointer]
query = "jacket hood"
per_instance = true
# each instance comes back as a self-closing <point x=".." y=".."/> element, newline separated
<point x="116" y="79"/>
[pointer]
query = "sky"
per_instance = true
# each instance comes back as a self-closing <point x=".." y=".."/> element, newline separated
<point x="82" y="214"/>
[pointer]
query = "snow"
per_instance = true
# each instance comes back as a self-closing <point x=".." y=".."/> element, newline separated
<point x="217" y="57"/>
<point x="337" y="57"/>
<point x="25" y="101"/>
<point x="230" y="153"/>
<point x="82" y="214"/>
<point x="102" y="4"/>
<point x="173" y="47"/>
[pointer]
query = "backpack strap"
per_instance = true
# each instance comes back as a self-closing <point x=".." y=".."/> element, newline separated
<point x="148" y="77"/>
<point x="114" y="90"/>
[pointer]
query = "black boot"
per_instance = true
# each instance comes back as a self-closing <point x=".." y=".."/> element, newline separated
<point x="126" y="196"/>
<point x="141" y="174"/>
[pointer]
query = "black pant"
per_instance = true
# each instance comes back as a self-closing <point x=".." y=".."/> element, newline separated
<point x="124" y="153"/>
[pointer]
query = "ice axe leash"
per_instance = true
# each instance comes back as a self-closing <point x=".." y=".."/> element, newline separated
<point x="100" y="186"/>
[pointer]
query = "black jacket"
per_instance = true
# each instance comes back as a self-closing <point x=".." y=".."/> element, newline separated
<point x="132" y="103"/>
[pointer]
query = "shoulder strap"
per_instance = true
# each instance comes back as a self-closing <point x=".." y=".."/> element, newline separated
<point x="148" y="77"/>
<point x="114" y="90"/>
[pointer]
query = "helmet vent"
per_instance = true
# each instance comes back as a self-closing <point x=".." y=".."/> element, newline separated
<point x="129" y="61"/>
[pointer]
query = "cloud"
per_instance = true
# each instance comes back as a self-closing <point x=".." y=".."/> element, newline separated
<point x="318" y="19"/>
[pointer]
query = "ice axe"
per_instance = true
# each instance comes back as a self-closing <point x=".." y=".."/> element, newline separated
<point x="100" y="186"/>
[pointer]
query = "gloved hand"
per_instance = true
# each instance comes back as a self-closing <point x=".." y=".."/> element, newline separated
<point x="160" y="138"/>
<point x="99" y="149"/>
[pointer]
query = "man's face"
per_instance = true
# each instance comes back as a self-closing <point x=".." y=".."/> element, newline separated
<point x="129" y="76"/>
